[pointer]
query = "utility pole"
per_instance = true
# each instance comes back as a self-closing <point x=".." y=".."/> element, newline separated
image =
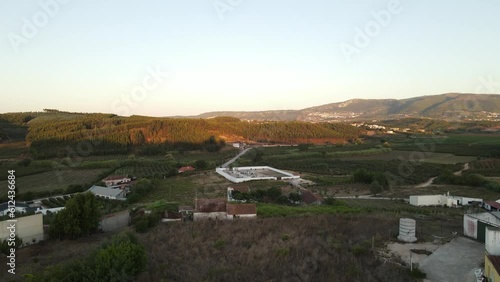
<point x="411" y="263"/>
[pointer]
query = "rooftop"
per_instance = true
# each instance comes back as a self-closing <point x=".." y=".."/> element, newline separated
<point x="235" y="209"/>
<point x="115" y="177"/>
<point x="105" y="191"/>
<point x="309" y="197"/>
<point x="210" y="205"/>
<point x="4" y="206"/>
<point x="494" y="204"/>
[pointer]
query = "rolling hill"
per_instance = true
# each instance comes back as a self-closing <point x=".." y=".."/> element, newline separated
<point x="450" y="106"/>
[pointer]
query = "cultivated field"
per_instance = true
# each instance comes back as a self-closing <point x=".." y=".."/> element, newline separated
<point x="51" y="180"/>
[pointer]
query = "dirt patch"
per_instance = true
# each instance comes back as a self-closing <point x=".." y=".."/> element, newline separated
<point x="403" y="251"/>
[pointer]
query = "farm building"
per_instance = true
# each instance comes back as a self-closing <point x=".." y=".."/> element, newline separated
<point x="492" y="206"/>
<point x="185" y="168"/>
<point x="219" y="209"/>
<point x="311" y="198"/>
<point x="20" y="208"/>
<point x="242" y="188"/>
<point x="108" y="193"/>
<point x="209" y="209"/>
<point x="241" y="211"/>
<point x="28" y="228"/>
<point x="113" y="180"/>
<point x="475" y="224"/>
<point x="443" y="200"/>
<point x="492" y="256"/>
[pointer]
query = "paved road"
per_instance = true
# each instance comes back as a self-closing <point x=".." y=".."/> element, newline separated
<point x="226" y="164"/>
<point x="454" y="261"/>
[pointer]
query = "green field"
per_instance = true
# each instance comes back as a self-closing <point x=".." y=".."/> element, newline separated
<point x="50" y="180"/>
<point x="427" y="157"/>
<point x="183" y="189"/>
<point x="463" y="145"/>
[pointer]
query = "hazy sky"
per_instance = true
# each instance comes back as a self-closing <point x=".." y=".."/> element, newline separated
<point x="112" y="56"/>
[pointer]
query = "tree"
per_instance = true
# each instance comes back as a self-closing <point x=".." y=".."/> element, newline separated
<point x="80" y="217"/>
<point x="4" y="245"/>
<point x="295" y="197"/>
<point x="122" y="257"/>
<point x="201" y="164"/>
<point x="375" y="188"/>
<point x="303" y="147"/>
<point x="25" y="162"/>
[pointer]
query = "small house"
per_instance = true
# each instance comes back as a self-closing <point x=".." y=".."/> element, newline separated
<point x="241" y="211"/>
<point x="311" y="198"/>
<point x="492" y="206"/>
<point x="186" y="168"/>
<point x="210" y="209"/>
<point x="113" y="180"/>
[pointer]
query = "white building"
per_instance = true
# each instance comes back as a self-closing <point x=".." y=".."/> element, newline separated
<point x="492" y="241"/>
<point x="475" y="224"/>
<point x="108" y="193"/>
<point x="443" y="200"/>
<point x="113" y="180"/>
<point x="28" y="228"/>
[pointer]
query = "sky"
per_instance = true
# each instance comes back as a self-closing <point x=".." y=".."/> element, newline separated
<point x="186" y="57"/>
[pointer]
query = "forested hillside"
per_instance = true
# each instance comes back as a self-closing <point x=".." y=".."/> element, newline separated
<point x="50" y="133"/>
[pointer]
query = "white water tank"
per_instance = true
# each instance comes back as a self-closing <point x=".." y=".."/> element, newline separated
<point x="407" y="227"/>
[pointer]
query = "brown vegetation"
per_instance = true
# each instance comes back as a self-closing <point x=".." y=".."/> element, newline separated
<point x="320" y="248"/>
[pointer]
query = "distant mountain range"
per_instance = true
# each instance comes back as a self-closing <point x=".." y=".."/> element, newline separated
<point x="450" y="106"/>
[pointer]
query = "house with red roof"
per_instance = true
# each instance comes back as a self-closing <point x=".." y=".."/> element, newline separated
<point x="492" y="206"/>
<point x="235" y="211"/>
<point x="114" y="180"/>
<point x="186" y="168"/>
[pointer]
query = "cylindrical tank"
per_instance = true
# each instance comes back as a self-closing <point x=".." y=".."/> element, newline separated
<point x="407" y="227"/>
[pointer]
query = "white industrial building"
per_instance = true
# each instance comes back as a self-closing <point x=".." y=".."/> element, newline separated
<point x="443" y="200"/>
<point x="475" y="224"/>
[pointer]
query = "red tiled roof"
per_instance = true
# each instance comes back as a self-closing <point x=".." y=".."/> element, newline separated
<point x="243" y="188"/>
<point x="186" y="168"/>
<point x="309" y="198"/>
<point x="210" y="205"/>
<point x="494" y="204"/>
<point x="495" y="261"/>
<point x="235" y="209"/>
<point x="115" y="177"/>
